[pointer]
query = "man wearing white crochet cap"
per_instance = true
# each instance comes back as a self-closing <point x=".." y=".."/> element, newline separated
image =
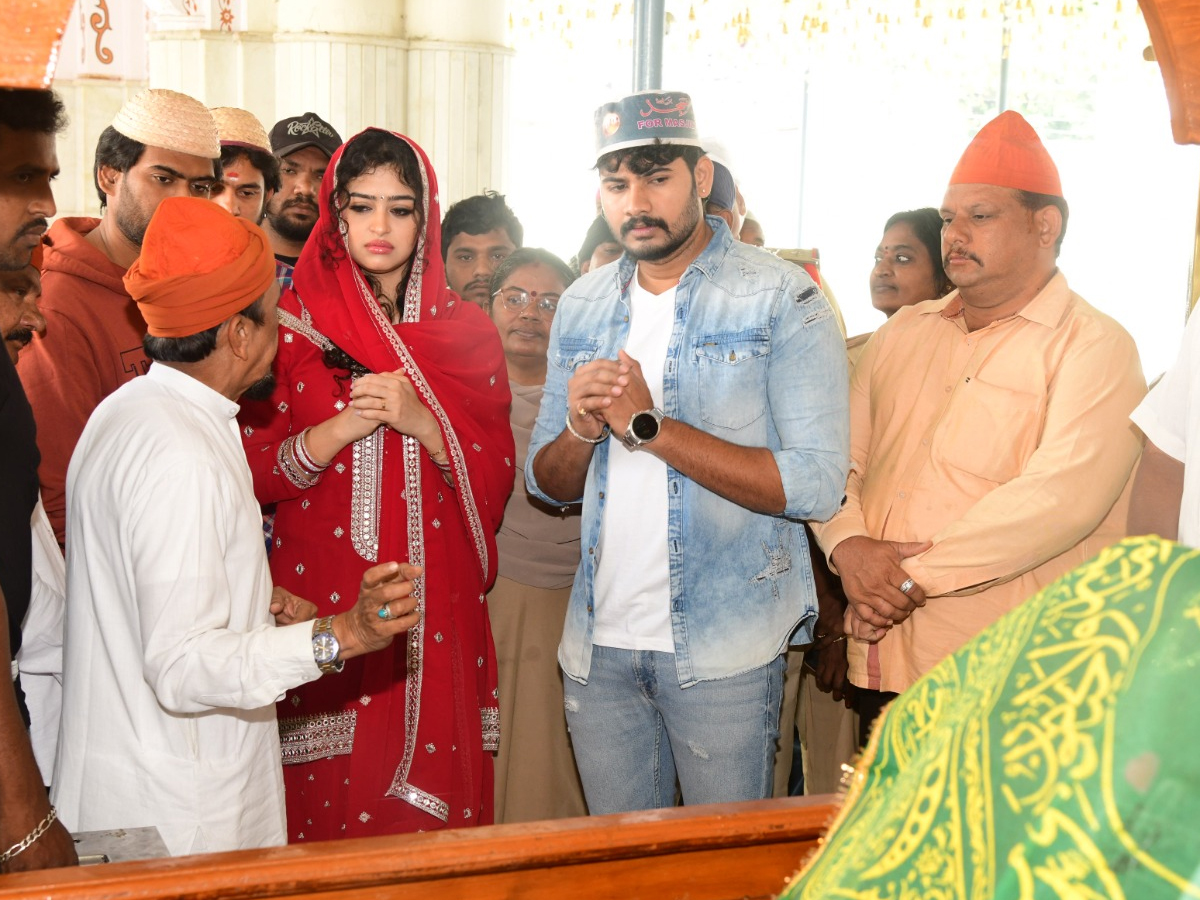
<point x="249" y="171"/>
<point x="161" y="144"/>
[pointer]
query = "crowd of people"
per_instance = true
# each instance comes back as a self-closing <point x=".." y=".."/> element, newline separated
<point x="330" y="516"/>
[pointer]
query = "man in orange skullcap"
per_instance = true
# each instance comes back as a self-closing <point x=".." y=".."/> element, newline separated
<point x="990" y="443"/>
<point x="173" y="663"/>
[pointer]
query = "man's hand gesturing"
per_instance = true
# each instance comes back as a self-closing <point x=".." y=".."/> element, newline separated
<point x="386" y="588"/>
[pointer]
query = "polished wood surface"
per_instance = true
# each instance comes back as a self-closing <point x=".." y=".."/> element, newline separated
<point x="742" y="850"/>
<point x="1174" y="27"/>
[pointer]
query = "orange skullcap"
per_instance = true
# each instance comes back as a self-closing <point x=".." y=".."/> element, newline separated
<point x="1007" y="152"/>
<point x="199" y="266"/>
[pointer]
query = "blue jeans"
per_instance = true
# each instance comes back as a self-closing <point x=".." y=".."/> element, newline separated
<point x="635" y="730"/>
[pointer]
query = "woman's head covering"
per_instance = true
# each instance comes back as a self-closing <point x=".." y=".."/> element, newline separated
<point x="449" y="349"/>
<point x="199" y="266"/>
<point x="325" y="271"/>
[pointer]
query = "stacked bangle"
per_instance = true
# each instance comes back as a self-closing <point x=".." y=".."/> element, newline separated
<point x="297" y="464"/>
<point x="302" y="456"/>
<point x="587" y="440"/>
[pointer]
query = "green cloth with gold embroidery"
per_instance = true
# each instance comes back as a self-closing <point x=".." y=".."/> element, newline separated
<point x="1057" y="755"/>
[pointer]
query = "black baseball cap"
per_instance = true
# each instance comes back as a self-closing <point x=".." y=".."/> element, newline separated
<point x="306" y="130"/>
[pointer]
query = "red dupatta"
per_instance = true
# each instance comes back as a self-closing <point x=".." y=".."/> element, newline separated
<point x="449" y="349"/>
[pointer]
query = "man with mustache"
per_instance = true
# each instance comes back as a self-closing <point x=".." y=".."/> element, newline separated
<point x="695" y="401"/>
<point x="161" y="144"/>
<point x="477" y="234"/>
<point x="30" y="835"/>
<point x="177" y="647"/>
<point x="20" y="317"/>
<point x="990" y="440"/>
<point x="303" y="145"/>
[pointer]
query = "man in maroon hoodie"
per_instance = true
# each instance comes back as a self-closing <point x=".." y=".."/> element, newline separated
<point x="161" y="144"/>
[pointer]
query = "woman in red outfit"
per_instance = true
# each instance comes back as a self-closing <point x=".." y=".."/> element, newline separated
<point x="387" y="437"/>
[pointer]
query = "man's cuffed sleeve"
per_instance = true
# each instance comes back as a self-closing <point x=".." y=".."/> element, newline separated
<point x="808" y="395"/>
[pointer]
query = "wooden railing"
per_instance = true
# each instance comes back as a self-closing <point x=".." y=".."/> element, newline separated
<point x="728" y="852"/>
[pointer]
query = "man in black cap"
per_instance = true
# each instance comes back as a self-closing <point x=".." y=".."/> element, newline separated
<point x="721" y="373"/>
<point x="303" y="145"/>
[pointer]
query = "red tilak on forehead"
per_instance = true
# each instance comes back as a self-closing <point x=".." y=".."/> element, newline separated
<point x="233" y="173"/>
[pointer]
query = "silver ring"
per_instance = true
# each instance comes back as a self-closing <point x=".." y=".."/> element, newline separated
<point x="385" y="612"/>
<point x="908" y="585"/>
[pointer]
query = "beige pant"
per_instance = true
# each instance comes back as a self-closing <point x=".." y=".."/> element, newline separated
<point x="535" y="767"/>
<point x="828" y="731"/>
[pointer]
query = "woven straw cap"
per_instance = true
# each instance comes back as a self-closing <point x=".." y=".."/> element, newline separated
<point x="170" y="120"/>
<point x="236" y="126"/>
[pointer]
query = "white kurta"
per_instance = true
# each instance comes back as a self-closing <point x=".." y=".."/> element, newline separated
<point x="172" y="663"/>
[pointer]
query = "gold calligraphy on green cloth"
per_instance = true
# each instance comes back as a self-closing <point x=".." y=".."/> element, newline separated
<point x="1056" y="756"/>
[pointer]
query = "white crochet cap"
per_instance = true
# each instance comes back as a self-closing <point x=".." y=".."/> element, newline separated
<point x="170" y="120"/>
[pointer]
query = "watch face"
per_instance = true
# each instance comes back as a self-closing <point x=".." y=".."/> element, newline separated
<point x="644" y="427"/>
<point x="325" y="647"/>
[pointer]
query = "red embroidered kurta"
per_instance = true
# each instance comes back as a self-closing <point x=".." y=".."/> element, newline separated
<point x="400" y="740"/>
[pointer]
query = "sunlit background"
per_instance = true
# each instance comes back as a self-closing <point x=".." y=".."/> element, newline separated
<point x="834" y="115"/>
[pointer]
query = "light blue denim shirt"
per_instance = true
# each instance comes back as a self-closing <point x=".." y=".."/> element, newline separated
<point x="755" y="358"/>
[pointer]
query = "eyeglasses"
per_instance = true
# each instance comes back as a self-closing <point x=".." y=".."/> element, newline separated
<point x="517" y="299"/>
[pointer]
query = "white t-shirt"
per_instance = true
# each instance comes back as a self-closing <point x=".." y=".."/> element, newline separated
<point x="633" y="579"/>
<point x="1170" y="417"/>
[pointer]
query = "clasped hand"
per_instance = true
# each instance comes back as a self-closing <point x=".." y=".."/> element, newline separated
<point x="389" y="398"/>
<point x="871" y="577"/>
<point x="607" y="392"/>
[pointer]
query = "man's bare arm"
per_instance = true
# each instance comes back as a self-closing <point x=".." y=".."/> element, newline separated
<point x="746" y="476"/>
<point x="23" y="800"/>
<point x="560" y="468"/>
<point x="1157" y="493"/>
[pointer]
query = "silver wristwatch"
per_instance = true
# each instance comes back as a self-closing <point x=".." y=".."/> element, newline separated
<point x="325" y="646"/>
<point x="643" y="427"/>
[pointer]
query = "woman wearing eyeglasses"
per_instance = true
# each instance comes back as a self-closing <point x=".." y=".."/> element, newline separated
<point x="539" y="553"/>
<point x="386" y="437"/>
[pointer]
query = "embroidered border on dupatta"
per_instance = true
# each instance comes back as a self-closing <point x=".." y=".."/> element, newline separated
<point x="365" y="485"/>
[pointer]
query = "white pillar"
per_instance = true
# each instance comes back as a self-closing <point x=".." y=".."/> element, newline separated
<point x="436" y="70"/>
<point x="102" y="63"/>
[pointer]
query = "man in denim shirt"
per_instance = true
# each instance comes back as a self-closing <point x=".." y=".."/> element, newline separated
<point x="696" y="400"/>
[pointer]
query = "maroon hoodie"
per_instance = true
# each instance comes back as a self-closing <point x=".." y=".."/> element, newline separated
<point x="92" y="345"/>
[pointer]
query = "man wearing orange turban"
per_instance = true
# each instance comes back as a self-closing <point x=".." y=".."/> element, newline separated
<point x="989" y="429"/>
<point x="173" y="663"/>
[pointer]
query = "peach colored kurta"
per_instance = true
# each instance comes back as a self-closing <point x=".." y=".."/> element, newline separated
<point x="1009" y="447"/>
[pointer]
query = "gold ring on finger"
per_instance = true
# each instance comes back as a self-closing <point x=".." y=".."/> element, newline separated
<point x="582" y="411"/>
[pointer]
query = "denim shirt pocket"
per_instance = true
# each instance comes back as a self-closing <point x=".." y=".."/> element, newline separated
<point x="573" y="352"/>
<point x="731" y="377"/>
